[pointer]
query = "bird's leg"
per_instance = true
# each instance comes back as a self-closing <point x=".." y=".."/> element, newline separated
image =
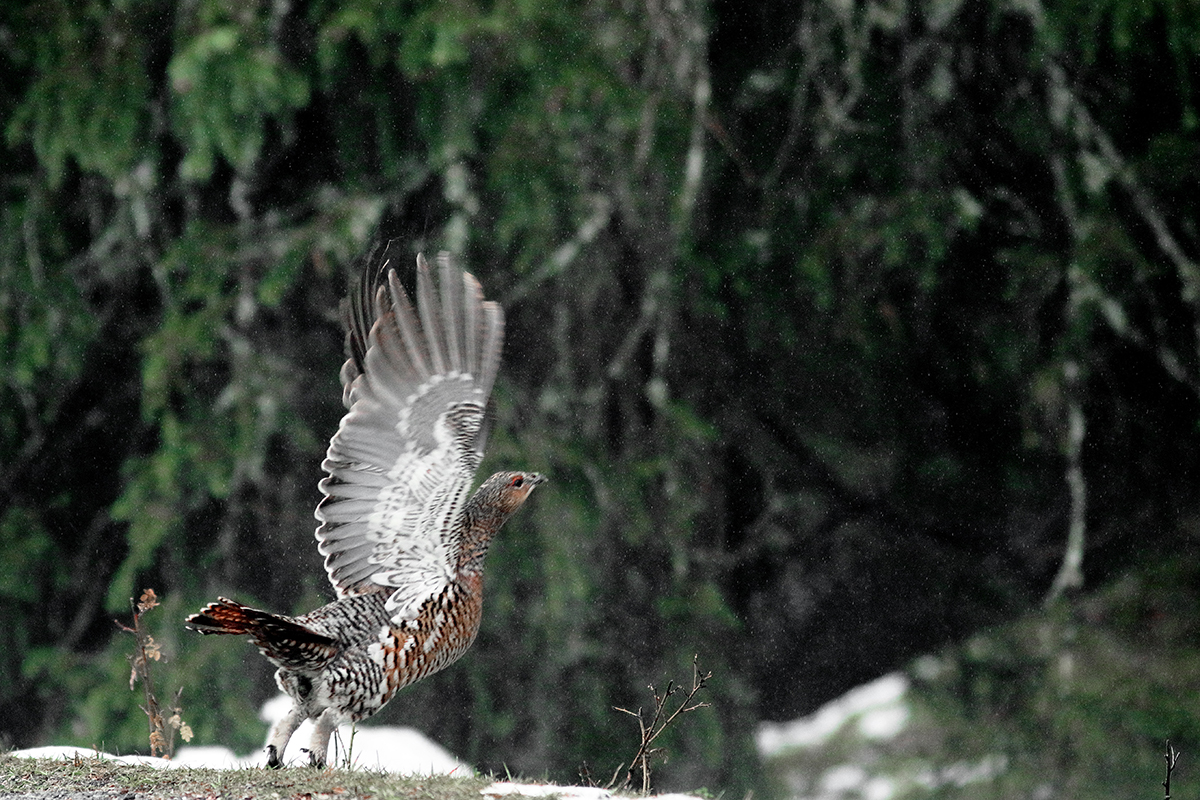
<point x="280" y="734"/>
<point x="323" y="728"/>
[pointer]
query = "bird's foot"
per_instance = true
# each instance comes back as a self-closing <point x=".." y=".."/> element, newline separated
<point x="314" y="761"/>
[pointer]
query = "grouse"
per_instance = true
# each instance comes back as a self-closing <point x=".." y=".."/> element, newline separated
<point x="403" y="537"/>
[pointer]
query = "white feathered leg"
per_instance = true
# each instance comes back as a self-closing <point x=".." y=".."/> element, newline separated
<point x="323" y="727"/>
<point x="281" y="733"/>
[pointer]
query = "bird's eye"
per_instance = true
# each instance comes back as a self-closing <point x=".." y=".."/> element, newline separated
<point x="517" y="481"/>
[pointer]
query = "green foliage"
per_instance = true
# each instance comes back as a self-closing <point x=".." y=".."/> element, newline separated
<point x="87" y="99"/>
<point x="229" y="81"/>
<point x="45" y="323"/>
<point x="27" y="549"/>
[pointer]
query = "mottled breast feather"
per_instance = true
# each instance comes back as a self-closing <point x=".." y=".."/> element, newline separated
<point x="402" y="462"/>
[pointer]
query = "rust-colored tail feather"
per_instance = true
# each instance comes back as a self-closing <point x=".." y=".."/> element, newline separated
<point x="281" y="639"/>
<point x="226" y="616"/>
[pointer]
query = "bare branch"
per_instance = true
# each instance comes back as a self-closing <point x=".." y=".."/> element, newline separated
<point x="1171" y="756"/>
<point x="1070" y="573"/>
<point x="1069" y="108"/>
<point x="659" y="722"/>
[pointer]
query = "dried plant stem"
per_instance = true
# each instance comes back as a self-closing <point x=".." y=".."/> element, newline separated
<point x="1171" y="756"/>
<point x="659" y="721"/>
<point x="162" y="729"/>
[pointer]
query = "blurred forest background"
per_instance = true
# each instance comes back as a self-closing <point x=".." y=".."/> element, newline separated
<point x="848" y="331"/>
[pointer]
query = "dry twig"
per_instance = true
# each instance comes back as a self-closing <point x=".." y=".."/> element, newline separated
<point x="1171" y="756"/>
<point x="162" y="729"/>
<point x="659" y="721"/>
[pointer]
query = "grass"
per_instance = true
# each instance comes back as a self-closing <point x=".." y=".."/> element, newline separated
<point x="80" y="775"/>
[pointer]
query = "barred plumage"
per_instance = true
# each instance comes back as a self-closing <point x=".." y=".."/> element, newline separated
<point x="403" y="542"/>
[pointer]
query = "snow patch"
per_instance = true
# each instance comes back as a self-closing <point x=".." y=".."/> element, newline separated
<point x="875" y="713"/>
<point x="506" y="789"/>
<point x="402" y="751"/>
<point x="877" y="709"/>
<point x="59" y="751"/>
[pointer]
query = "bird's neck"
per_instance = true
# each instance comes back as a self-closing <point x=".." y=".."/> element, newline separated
<point x="482" y="522"/>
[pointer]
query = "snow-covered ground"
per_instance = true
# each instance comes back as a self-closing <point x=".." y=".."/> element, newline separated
<point x="877" y="710"/>
<point x="838" y="749"/>
<point x="403" y="751"/>
<point x="837" y="752"/>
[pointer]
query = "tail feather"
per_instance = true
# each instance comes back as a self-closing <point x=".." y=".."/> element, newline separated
<point x="281" y="639"/>
<point x="225" y="616"/>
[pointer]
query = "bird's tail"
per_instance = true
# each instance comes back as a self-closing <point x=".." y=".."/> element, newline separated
<point x="226" y="616"/>
<point x="281" y="639"/>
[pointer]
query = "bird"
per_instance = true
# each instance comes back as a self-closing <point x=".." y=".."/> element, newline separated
<point x="402" y="535"/>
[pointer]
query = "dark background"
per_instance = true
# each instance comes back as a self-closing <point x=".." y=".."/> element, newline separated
<point x="805" y="300"/>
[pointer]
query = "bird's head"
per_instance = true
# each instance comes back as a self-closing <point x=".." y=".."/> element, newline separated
<point x="506" y="491"/>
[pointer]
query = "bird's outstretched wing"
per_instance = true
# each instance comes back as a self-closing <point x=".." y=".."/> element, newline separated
<point x="401" y="464"/>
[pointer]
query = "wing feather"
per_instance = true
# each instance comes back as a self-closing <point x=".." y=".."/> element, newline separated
<point x="452" y="313"/>
<point x="365" y="490"/>
<point x="390" y="370"/>
<point x="472" y="307"/>
<point x="349" y="510"/>
<point x="409" y="328"/>
<point x="403" y="459"/>
<point x="428" y="307"/>
<point x="492" y="340"/>
<point x="357" y="316"/>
